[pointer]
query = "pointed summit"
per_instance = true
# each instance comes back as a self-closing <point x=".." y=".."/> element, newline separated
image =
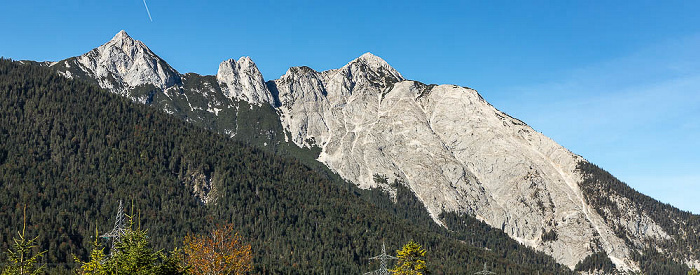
<point x="242" y="80"/>
<point x="368" y="69"/>
<point x="123" y="41"/>
<point x="122" y="64"/>
<point x="121" y="35"/>
<point x="378" y="66"/>
<point x="371" y="59"/>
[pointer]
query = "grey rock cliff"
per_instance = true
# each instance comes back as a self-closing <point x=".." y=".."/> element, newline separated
<point x="454" y="150"/>
<point x="242" y="80"/>
<point x="122" y="64"/>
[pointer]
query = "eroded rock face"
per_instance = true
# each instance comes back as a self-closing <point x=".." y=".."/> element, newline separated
<point x="242" y="80"/>
<point x="127" y="67"/>
<point x="314" y="104"/>
<point x="453" y="149"/>
<point x="122" y="64"/>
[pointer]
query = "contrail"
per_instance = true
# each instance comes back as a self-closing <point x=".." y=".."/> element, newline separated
<point x="149" y="13"/>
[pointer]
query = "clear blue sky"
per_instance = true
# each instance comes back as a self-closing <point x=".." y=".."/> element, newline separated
<point x="617" y="82"/>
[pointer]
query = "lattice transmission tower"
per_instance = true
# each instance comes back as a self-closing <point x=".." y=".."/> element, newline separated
<point x="485" y="271"/>
<point x="383" y="261"/>
<point x="118" y="230"/>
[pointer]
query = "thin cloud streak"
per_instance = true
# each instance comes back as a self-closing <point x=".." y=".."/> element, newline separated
<point x="149" y="12"/>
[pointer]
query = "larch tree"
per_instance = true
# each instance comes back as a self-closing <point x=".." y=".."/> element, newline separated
<point x="221" y="252"/>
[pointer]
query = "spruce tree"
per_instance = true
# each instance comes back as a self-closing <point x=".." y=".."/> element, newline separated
<point x="22" y="256"/>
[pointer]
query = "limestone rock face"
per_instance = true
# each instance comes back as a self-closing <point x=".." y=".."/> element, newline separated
<point x="128" y="67"/>
<point x="242" y="80"/>
<point x="124" y="63"/>
<point x="314" y="104"/>
<point x="453" y="149"/>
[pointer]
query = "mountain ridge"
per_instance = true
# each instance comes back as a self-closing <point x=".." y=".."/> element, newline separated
<point x="121" y="64"/>
<point x="69" y="151"/>
<point x="453" y="149"/>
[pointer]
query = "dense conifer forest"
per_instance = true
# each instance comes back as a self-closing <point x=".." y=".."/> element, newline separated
<point x="70" y="151"/>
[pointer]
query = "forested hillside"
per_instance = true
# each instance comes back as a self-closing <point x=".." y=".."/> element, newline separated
<point x="70" y="151"/>
<point x="612" y="199"/>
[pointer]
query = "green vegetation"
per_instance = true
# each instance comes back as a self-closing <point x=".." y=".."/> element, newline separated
<point x="602" y="190"/>
<point x="652" y="262"/>
<point x="133" y="254"/>
<point x="222" y="252"/>
<point x="70" y="151"/>
<point x="23" y="257"/>
<point x="507" y="251"/>
<point x="549" y="236"/>
<point x="411" y="260"/>
<point x="258" y="126"/>
<point x="599" y="262"/>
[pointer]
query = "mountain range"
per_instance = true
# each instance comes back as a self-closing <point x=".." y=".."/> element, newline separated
<point x="70" y="151"/>
<point x="377" y="130"/>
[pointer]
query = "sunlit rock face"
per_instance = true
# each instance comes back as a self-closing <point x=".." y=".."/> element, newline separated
<point x="122" y="64"/>
<point x="454" y="150"/>
<point x="243" y="81"/>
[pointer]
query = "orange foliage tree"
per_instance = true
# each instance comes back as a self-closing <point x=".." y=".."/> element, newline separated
<point x="221" y="252"/>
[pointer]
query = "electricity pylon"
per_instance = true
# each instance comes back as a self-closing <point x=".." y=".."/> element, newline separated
<point x="118" y="230"/>
<point x="383" y="258"/>
<point x="485" y="271"/>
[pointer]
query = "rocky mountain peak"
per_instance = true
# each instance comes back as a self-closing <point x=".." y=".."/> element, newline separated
<point x="445" y="143"/>
<point x="366" y="70"/>
<point x="121" y="35"/>
<point x="242" y="80"/>
<point x="122" y="64"/>
<point x="367" y="73"/>
<point x="376" y="63"/>
<point x="130" y="47"/>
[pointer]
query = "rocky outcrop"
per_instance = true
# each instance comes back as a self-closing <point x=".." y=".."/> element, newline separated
<point x="454" y="150"/>
<point x="313" y="104"/>
<point x="122" y="64"/>
<point x="243" y="81"/>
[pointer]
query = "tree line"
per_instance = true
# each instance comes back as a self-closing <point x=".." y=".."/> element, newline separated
<point x="70" y="151"/>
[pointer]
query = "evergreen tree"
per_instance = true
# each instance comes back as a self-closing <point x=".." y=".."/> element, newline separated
<point x="69" y="150"/>
<point x="411" y="260"/>
<point x="132" y="254"/>
<point x="22" y="256"/>
<point x="97" y="259"/>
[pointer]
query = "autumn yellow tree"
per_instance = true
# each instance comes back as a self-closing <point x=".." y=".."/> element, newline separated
<point x="411" y="260"/>
<point x="221" y="252"/>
